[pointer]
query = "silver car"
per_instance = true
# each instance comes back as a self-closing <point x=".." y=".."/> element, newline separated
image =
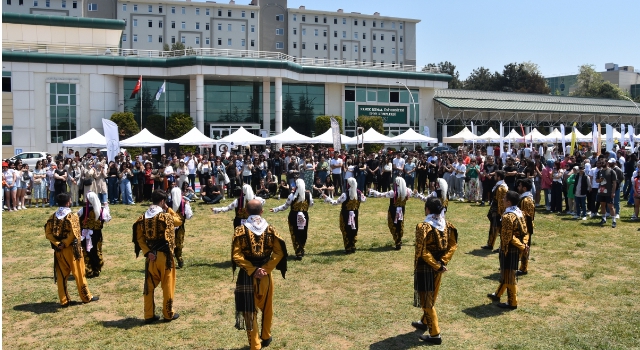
<point x="30" y="158"/>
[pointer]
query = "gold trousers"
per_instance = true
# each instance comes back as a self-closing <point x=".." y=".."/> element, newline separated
<point x="349" y="236"/>
<point x="159" y="274"/>
<point x="508" y="280"/>
<point x="427" y="302"/>
<point x="179" y="243"/>
<point x="65" y="264"/>
<point x="494" y="231"/>
<point x="396" y="230"/>
<point x="524" y="260"/>
<point x="263" y="297"/>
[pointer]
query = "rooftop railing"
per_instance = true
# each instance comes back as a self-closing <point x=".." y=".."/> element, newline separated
<point x="210" y="52"/>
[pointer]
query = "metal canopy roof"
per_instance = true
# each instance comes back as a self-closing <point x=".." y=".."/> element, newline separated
<point x="489" y="100"/>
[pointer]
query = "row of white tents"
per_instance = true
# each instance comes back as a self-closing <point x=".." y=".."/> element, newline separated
<point x="466" y="136"/>
<point x="242" y="137"/>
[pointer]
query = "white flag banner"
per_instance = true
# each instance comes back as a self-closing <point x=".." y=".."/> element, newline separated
<point x="564" y="142"/>
<point x="160" y="91"/>
<point x="622" y="136"/>
<point x="594" y="139"/>
<point x="112" y="137"/>
<point x="609" y="142"/>
<point x="501" y="138"/>
<point x="632" y="137"/>
<point x="335" y="132"/>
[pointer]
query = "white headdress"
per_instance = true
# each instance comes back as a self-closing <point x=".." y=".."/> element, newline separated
<point x="95" y="203"/>
<point x="401" y="188"/>
<point x="300" y="190"/>
<point x="248" y="193"/>
<point x="176" y="198"/>
<point x="353" y="188"/>
<point x="442" y="183"/>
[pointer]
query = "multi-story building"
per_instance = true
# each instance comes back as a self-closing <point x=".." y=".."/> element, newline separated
<point x="625" y="77"/>
<point x="72" y="8"/>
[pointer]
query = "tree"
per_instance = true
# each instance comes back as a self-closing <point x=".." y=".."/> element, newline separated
<point x="177" y="46"/>
<point x="448" y="68"/>
<point x="148" y="103"/>
<point x="531" y="68"/>
<point x="480" y="79"/>
<point x="178" y="124"/>
<point x="323" y="123"/>
<point x="155" y="123"/>
<point x="590" y="84"/>
<point x="516" y="77"/>
<point x="377" y="123"/>
<point x="166" y="47"/>
<point x="127" y="125"/>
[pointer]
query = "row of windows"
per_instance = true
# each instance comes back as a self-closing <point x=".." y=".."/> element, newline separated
<point x="316" y="32"/>
<point x="183" y="10"/>
<point x="344" y="21"/>
<point x="344" y="48"/>
<point x="47" y="3"/>
<point x="183" y="39"/>
<point x="183" y="25"/>
<point x="344" y="61"/>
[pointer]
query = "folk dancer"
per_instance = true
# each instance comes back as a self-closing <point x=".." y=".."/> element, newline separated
<point x="528" y="207"/>
<point x="240" y="206"/>
<point x="183" y="209"/>
<point x="436" y="241"/>
<point x="92" y="218"/>
<point x="513" y="243"/>
<point x="154" y="235"/>
<point x="257" y="249"/>
<point x="398" y="198"/>
<point x="440" y="191"/>
<point x="63" y="231"/>
<point x="350" y="201"/>
<point x="496" y="209"/>
<point x="299" y="201"/>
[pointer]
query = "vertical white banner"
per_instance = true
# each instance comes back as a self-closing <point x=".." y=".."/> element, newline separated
<point x="501" y="138"/>
<point x="335" y="132"/>
<point x="632" y="137"/>
<point x="594" y="139"/>
<point x="112" y="137"/>
<point x="622" y="136"/>
<point x="564" y="141"/>
<point x="609" y="139"/>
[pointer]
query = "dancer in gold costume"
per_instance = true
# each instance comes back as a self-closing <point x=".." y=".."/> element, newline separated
<point x="299" y="201"/>
<point x="350" y="201"/>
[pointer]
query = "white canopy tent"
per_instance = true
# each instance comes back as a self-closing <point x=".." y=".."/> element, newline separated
<point x="556" y="136"/>
<point x="513" y="136"/>
<point x="193" y="138"/>
<point x="370" y="136"/>
<point x="289" y="136"/>
<point x="242" y="137"/>
<point x="463" y="136"/>
<point x="91" y="138"/>
<point x="489" y="137"/>
<point x="327" y="138"/>
<point x="579" y="137"/>
<point x="143" y="139"/>
<point x="536" y="136"/>
<point x="411" y="136"/>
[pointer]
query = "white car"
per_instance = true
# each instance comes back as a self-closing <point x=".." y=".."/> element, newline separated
<point x="30" y="158"/>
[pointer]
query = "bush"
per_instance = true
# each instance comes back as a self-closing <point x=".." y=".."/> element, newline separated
<point x="127" y="125"/>
<point x="178" y="124"/>
<point x="377" y="123"/>
<point x="323" y="123"/>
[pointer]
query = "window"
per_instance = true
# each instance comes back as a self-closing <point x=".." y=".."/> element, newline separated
<point x="219" y="26"/>
<point x="355" y="35"/>
<point x="160" y="9"/>
<point x="219" y="13"/>
<point x="229" y="42"/>
<point x="335" y="20"/>
<point x="150" y="24"/>
<point x="364" y="49"/>
<point x="279" y="45"/>
<point x="324" y="33"/>
<point x="393" y="38"/>
<point x="374" y="49"/>
<point x="135" y="22"/>
<point x="279" y="31"/>
<point x="335" y="33"/>
<point x="253" y="14"/>
<point x="159" y="38"/>
<point x="124" y="37"/>
<point x="62" y="111"/>
<point x="393" y="25"/>
<point x="304" y="18"/>
<point x="173" y="24"/>
<point x="344" y="34"/>
<point x="364" y="23"/>
<point x="400" y="28"/>
<point x="381" y="36"/>
<point x="344" y="47"/>
<point x="355" y="48"/>
<point x="374" y="36"/>
<point x="47" y="3"/>
<point x="173" y="39"/>
<point x="150" y="8"/>
<point x="344" y="21"/>
<point x="324" y="19"/>
<point x="374" y="25"/>
<point x="135" y="7"/>
<point x="183" y="40"/>
<point x="184" y="10"/>
<point x="400" y="38"/>
<point x="206" y="41"/>
<point x="304" y="31"/>
<point x="73" y="4"/>
<point x="280" y="18"/>
<point x="7" y="134"/>
<point x="393" y="50"/>
<point x="64" y="4"/>
<point x="394" y="96"/>
<point x="91" y="7"/>
<point x="183" y="25"/>
<point x="295" y="45"/>
<point x="355" y="22"/>
<point x="382" y="50"/>
<point x="242" y="43"/>
<point x="316" y="46"/>
<point x="197" y="25"/>
<point x="8" y="2"/>
<point x="350" y="95"/>
<point x="207" y="12"/>
<point x="242" y="14"/>
<point x="253" y="43"/>
<point x="159" y="24"/>
<point x="295" y="31"/>
<point x="197" y="11"/>
<point x="315" y="32"/>
<point x="206" y="26"/>
<point x="149" y="38"/>
<point x="219" y="41"/>
<point x="304" y="46"/>
<point x="173" y="9"/>
<point x="295" y="18"/>
<point x="229" y="13"/>
<point x="315" y="19"/>
<point x="324" y="47"/>
<point x="364" y="35"/>
<point x="135" y="38"/>
<point x="243" y="28"/>
<point x="335" y="47"/>
<point x="197" y="40"/>
<point x="228" y="27"/>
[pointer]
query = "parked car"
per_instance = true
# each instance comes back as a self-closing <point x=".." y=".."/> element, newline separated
<point x="442" y="149"/>
<point x="30" y="158"/>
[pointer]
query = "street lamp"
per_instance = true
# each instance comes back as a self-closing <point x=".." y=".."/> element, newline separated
<point x="412" y="102"/>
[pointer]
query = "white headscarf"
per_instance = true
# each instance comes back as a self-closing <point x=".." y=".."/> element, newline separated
<point x="353" y="188"/>
<point x="248" y="194"/>
<point x="176" y="198"/>
<point x="401" y="187"/>
<point x="95" y="203"/>
<point x="444" y="187"/>
<point x="300" y="190"/>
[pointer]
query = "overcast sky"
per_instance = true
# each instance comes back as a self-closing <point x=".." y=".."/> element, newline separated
<point x="558" y="35"/>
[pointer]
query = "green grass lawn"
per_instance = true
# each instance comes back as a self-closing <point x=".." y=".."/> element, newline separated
<point x="581" y="292"/>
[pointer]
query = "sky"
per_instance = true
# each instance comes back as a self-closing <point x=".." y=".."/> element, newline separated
<point x="558" y="35"/>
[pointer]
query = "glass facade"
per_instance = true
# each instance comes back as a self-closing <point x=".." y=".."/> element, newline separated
<point x="356" y="96"/>
<point x="174" y="99"/>
<point x="634" y="90"/>
<point x="62" y="111"/>
<point x="562" y="85"/>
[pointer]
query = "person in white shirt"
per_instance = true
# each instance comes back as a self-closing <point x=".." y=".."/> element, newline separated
<point x="192" y="165"/>
<point x="460" y="171"/>
<point x="336" y="172"/>
<point x="398" y="166"/>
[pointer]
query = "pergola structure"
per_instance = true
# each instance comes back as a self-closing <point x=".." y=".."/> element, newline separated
<point x="455" y="109"/>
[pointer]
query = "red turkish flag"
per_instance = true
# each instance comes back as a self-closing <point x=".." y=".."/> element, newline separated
<point x="137" y="88"/>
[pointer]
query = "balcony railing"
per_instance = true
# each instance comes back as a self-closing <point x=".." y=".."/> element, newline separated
<point x="211" y="52"/>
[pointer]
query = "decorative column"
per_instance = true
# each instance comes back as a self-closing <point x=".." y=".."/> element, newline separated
<point x="200" y="102"/>
<point x="444" y="132"/>
<point x="266" y="105"/>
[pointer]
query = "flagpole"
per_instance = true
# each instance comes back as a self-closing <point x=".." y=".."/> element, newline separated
<point x="141" y="103"/>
